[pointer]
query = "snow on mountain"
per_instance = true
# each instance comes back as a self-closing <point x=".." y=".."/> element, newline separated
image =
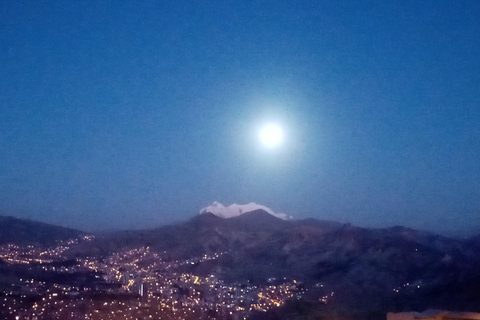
<point x="236" y="210"/>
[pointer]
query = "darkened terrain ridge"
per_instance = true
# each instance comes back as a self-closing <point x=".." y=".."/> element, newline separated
<point x="363" y="272"/>
<point x="368" y="269"/>
<point x="26" y="232"/>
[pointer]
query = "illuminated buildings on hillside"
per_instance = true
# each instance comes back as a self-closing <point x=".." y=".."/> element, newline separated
<point x="129" y="284"/>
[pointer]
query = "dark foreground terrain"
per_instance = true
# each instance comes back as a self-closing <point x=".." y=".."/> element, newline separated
<point x="254" y="266"/>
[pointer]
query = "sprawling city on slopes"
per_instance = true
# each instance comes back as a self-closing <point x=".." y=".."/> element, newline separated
<point x="235" y="262"/>
<point x="133" y="284"/>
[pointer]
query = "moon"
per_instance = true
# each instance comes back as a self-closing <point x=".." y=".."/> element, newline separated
<point x="271" y="135"/>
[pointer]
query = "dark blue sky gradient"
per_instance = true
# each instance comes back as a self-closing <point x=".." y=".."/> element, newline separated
<point x="134" y="114"/>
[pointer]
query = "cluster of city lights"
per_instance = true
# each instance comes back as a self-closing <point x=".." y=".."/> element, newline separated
<point x="130" y="284"/>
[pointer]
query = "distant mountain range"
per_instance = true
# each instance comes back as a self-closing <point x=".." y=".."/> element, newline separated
<point x="390" y="269"/>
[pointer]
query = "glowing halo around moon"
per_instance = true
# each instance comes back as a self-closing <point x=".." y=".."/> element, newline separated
<point x="271" y="135"/>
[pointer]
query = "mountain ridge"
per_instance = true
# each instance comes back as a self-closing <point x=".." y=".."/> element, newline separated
<point x="369" y="269"/>
<point x="29" y="232"/>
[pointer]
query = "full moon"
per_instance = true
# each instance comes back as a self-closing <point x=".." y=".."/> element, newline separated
<point x="271" y="135"/>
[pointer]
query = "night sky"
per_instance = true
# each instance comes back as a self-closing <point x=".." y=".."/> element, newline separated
<point x="134" y="114"/>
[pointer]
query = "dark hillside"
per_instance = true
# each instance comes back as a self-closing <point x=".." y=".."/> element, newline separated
<point x="26" y="232"/>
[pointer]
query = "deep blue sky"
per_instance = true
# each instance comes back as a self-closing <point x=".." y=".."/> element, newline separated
<point x="117" y="114"/>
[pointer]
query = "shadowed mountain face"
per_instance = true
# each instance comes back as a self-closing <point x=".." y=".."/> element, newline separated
<point x="390" y="269"/>
<point x="365" y="267"/>
<point x="317" y="250"/>
<point x="475" y="241"/>
<point x="25" y="232"/>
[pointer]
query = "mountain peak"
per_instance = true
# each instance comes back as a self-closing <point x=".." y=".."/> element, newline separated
<point x="235" y="210"/>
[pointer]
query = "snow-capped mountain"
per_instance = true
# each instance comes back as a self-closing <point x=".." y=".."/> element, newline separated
<point x="236" y="210"/>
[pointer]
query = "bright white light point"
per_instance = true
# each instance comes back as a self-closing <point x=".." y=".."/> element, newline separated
<point x="271" y="135"/>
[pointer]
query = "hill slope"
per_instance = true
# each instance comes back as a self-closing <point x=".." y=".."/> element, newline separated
<point x="26" y="232"/>
<point x="370" y="269"/>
